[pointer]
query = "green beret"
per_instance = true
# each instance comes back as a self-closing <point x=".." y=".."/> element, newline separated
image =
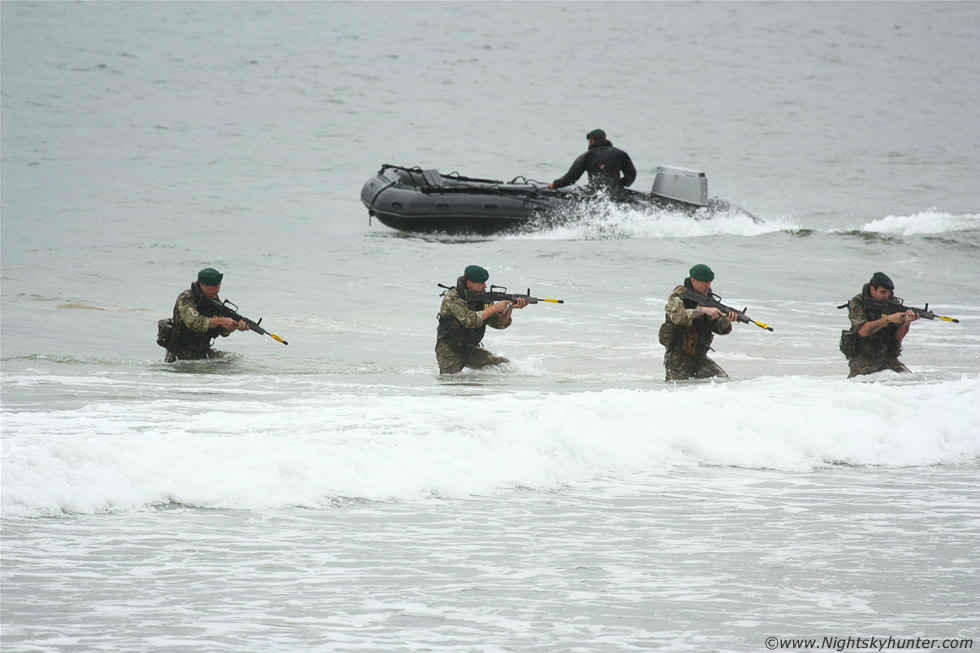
<point x="596" y="134"/>
<point x="209" y="277"/>
<point x="702" y="272"/>
<point x="476" y="273"/>
<point x="881" y="280"/>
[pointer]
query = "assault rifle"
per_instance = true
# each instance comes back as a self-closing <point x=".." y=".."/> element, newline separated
<point x="227" y="309"/>
<point x="712" y="300"/>
<point x="500" y="294"/>
<point x="897" y="305"/>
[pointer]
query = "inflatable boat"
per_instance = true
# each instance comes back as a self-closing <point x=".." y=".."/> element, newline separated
<point x="417" y="200"/>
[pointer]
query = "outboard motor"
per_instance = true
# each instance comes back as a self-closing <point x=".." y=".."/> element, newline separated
<point x="681" y="185"/>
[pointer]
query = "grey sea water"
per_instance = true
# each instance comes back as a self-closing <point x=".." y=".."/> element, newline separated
<point x="336" y="494"/>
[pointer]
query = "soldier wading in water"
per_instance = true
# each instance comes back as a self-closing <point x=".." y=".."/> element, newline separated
<point x="876" y="342"/>
<point x="194" y="327"/>
<point x="689" y="329"/>
<point x="463" y="323"/>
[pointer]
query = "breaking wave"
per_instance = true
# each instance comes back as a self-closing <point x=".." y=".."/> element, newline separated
<point x="237" y="449"/>
<point x="925" y="223"/>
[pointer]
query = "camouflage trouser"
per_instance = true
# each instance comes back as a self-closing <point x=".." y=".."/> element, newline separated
<point x="174" y="355"/>
<point x="680" y="366"/>
<point x="451" y="363"/>
<point x="860" y="366"/>
<point x="192" y="354"/>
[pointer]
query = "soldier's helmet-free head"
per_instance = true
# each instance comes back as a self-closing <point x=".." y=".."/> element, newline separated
<point x="476" y="273"/>
<point x="209" y="277"/>
<point x="881" y="280"/>
<point x="702" y="272"/>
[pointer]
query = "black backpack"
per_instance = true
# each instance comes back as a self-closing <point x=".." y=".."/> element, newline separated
<point x="848" y="343"/>
<point x="164" y="329"/>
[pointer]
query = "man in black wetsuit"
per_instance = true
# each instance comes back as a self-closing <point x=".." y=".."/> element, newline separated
<point x="604" y="163"/>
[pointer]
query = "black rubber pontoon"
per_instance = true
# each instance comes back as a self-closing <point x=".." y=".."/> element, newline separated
<point x="417" y="200"/>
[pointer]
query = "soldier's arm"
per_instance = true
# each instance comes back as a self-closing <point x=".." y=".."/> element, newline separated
<point x="907" y="320"/>
<point x="457" y="308"/>
<point x="680" y="315"/>
<point x="190" y="316"/>
<point x="573" y="174"/>
<point x="198" y="323"/>
<point x="500" y="320"/>
<point x="859" y="320"/>
<point x="629" y="170"/>
<point x="722" y="325"/>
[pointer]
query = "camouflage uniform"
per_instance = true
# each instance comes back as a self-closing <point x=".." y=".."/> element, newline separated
<point x="687" y="338"/>
<point x="877" y="351"/>
<point x="191" y="336"/>
<point x="461" y="329"/>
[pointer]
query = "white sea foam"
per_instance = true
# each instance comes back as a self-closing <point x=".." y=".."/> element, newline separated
<point x="923" y="223"/>
<point x="231" y="450"/>
<point x="611" y="221"/>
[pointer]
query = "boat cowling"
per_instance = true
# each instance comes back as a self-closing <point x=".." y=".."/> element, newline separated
<point x="681" y="185"/>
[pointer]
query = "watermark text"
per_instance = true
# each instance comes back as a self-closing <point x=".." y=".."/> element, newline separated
<point x="866" y="643"/>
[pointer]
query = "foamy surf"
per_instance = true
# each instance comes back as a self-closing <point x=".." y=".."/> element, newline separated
<point x="231" y="450"/>
<point x="923" y="224"/>
<point x="601" y="221"/>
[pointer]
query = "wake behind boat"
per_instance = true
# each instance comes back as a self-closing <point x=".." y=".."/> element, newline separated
<point x="425" y="201"/>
